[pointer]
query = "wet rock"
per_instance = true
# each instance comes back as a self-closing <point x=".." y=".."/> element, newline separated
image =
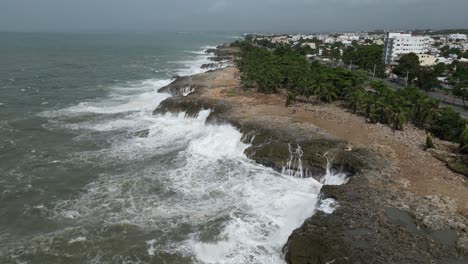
<point x="209" y="66"/>
<point x="193" y="83"/>
<point x="223" y="51"/>
<point x="220" y="58"/>
<point x="210" y="51"/>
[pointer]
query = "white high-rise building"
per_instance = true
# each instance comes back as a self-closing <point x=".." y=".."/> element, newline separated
<point x="457" y="37"/>
<point x="397" y="44"/>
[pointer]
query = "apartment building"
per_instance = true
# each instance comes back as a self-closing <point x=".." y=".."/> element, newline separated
<point x="427" y="59"/>
<point x="454" y="37"/>
<point x="397" y="44"/>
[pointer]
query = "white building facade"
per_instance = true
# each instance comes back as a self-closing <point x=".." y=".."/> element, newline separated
<point x="457" y="37"/>
<point x="427" y="59"/>
<point x="397" y="44"/>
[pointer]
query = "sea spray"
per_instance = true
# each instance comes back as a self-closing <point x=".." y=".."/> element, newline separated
<point x="186" y="90"/>
<point x="293" y="165"/>
<point x="294" y="168"/>
<point x="331" y="176"/>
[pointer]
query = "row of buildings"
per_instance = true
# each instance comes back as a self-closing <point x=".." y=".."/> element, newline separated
<point x="428" y="48"/>
<point x="345" y="38"/>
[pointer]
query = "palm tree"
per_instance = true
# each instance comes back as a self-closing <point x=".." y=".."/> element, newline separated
<point x="431" y="110"/>
<point x="385" y="112"/>
<point x="326" y="92"/>
<point x="373" y="116"/>
<point x="306" y="86"/>
<point x="423" y="110"/>
<point x="290" y="98"/>
<point x="370" y="105"/>
<point x="355" y="100"/>
<point x="378" y="85"/>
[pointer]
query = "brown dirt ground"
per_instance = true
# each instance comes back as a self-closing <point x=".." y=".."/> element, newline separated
<point x="416" y="170"/>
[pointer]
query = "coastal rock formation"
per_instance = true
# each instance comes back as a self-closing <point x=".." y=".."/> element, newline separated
<point x="220" y="58"/>
<point x="270" y="141"/>
<point x="209" y="66"/>
<point x="375" y="222"/>
<point x="223" y="51"/>
<point x="375" y="226"/>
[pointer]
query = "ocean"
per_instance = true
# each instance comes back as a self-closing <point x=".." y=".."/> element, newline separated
<point x="89" y="175"/>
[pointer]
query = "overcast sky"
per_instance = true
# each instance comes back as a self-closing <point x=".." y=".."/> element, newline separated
<point x="230" y="15"/>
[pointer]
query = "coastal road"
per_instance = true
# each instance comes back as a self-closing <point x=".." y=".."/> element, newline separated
<point x="445" y="100"/>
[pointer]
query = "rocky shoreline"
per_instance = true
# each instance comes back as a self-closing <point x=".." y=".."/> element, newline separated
<point x="376" y="221"/>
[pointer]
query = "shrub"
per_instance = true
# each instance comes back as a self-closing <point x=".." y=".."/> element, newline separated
<point x="447" y="125"/>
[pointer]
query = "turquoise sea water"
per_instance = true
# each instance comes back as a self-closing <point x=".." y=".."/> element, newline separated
<point x="89" y="175"/>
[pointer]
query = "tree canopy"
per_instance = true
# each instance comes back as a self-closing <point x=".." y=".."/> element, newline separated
<point x="408" y="65"/>
<point x="285" y="68"/>
<point x="366" y="57"/>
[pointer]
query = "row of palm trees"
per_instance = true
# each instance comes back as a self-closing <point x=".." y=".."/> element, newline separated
<point x="380" y="104"/>
<point x="284" y="68"/>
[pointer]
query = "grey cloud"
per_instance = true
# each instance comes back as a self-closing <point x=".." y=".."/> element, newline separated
<point x="230" y="15"/>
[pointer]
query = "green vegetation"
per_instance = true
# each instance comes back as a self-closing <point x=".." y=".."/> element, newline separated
<point x="459" y="167"/>
<point x="460" y="81"/>
<point x="429" y="141"/>
<point x="408" y="65"/>
<point x="285" y="68"/>
<point x="366" y="57"/>
<point x="425" y="77"/>
<point x="447" y="124"/>
<point x="460" y="90"/>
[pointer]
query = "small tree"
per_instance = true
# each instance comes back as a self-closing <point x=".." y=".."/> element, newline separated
<point x="398" y="118"/>
<point x="448" y="124"/>
<point x="430" y="141"/>
<point x="327" y="93"/>
<point x="427" y="79"/>
<point x="355" y="100"/>
<point x="408" y="65"/>
<point x="290" y="98"/>
<point x="461" y="92"/>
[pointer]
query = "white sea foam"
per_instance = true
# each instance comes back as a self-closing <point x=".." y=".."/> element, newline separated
<point x="332" y="177"/>
<point x="78" y="239"/>
<point x="200" y="52"/>
<point x="193" y="66"/>
<point x="189" y="67"/>
<point x="328" y="205"/>
<point x="151" y="249"/>
<point x="187" y="90"/>
<point x="213" y="179"/>
<point x="117" y="102"/>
